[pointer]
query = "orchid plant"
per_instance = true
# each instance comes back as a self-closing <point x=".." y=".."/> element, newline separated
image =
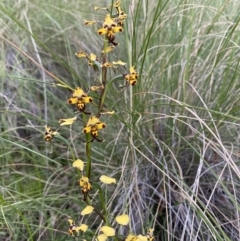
<point x="112" y="25"/>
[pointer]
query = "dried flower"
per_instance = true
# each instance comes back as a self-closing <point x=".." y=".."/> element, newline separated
<point x="64" y="122"/>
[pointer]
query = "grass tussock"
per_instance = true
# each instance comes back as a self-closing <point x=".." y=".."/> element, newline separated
<point x="173" y="143"/>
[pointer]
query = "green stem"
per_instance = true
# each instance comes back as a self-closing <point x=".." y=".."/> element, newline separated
<point x="104" y="214"/>
<point x="88" y="154"/>
<point x="104" y="81"/>
<point x="88" y="201"/>
<point x="88" y="150"/>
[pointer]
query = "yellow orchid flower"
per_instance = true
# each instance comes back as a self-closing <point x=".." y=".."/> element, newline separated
<point x="110" y="28"/>
<point x="80" y="98"/>
<point x="93" y="126"/>
<point x="85" y="184"/>
<point x="49" y="134"/>
<point x="72" y="227"/>
<point x="91" y="59"/>
<point x="131" y="78"/>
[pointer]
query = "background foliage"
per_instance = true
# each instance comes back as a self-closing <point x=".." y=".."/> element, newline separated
<point x="174" y="142"/>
